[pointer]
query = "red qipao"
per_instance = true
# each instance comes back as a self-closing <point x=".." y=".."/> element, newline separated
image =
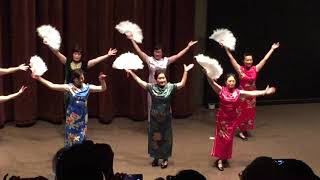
<point x="226" y="123"/>
<point x="247" y="104"/>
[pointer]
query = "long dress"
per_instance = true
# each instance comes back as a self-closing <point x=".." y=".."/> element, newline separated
<point x="226" y="122"/>
<point x="76" y="115"/>
<point x="159" y="129"/>
<point x="154" y="65"/>
<point x="247" y="104"/>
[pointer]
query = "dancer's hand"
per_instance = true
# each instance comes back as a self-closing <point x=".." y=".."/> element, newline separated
<point x="112" y="52"/>
<point x="191" y="43"/>
<point x="187" y="68"/>
<point x="269" y="90"/>
<point x="45" y="42"/>
<point x="23" y="67"/>
<point x="275" y="45"/>
<point x="102" y="76"/>
<point x="35" y="76"/>
<point x="22" y="89"/>
<point x="129" y="35"/>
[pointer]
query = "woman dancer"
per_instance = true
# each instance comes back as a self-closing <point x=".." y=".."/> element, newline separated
<point x="159" y="130"/>
<point x="227" y="116"/>
<point x="157" y="61"/>
<point x="77" y="112"/>
<point x="248" y="75"/>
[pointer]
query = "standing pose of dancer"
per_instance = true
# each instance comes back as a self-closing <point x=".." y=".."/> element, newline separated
<point x="77" y="112"/>
<point x="227" y="116"/>
<point x="157" y="61"/>
<point x="77" y="62"/>
<point x="248" y="75"/>
<point x="160" y="130"/>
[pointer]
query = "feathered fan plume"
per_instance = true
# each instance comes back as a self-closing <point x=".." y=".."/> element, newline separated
<point x="51" y="35"/>
<point x="225" y="37"/>
<point x="37" y="66"/>
<point x="211" y="65"/>
<point x="126" y="26"/>
<point x="128" y="61"/>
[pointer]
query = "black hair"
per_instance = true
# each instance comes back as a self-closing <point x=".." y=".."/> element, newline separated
<point x="157" y="72"/>
<point x="158" y="46"/>
<point x="230" y="75"/>
<point x="77" y="48"/>
<point x="76" y="74"/>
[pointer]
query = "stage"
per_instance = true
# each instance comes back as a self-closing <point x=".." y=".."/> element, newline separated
<point x="282" y="131"/>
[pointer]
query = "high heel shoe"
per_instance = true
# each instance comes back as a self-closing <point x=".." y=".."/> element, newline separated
<point x="219" y="165"/>
<point x="155" y="163"/>
<point x="242" y="136"/>
<point x="164" y="164"/>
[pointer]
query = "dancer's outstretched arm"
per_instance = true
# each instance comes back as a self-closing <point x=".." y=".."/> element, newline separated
<point x="99" y="59"/>
<point x="22" y="67"/>
<point x="57" y="87"/>
<point x="215" y="86"/>
<point x="233" y="61"/>
<point x="182" y="83"/>
<point x="12" y="96"/>
<point x="267" y="91"/>
<point x="266" y="57"/>
<point x="102" y="87"/>
<point x="141" y="54"/>
<point x="62" y="58"/>
<point x="142" y="83"/>
<point x="182" y="52"/>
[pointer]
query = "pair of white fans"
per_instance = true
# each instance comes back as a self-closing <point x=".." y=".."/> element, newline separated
<point x="129" y="60"/>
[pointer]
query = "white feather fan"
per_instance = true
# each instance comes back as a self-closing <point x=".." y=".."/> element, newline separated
<point x="37" y="66"/>
<point x="211" y="65"/>
<point x="128" y="61"/>
<point x="51" y="35"/>
<point x="126" y="26"/>
<point x="225" y="37"/>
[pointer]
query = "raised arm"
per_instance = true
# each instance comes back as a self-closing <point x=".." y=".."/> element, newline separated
<point x="56" y="87"/>
<point x="182" y="83"/>
<point x="99" y="59"/>
<point x="266" y="57"/>
<point x="141" y="54"/>
<point x="103" y="85"/>
<point x="12" y="96"/>
<point x="60" y="56"/>
<point x="182" y="52"/>
<point x="22" y="67"/>
<point x="267" y="91"/>
<point x="142" y="83"/>
<point x="233" y="61"/>
<point x="215" y="86"/>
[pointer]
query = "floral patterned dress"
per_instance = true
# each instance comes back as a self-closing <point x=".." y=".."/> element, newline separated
<point x="226" y="123"/>
<point x="159" y="129"/>
<point x="76" y="115"/>
<point x="247" y="104"/>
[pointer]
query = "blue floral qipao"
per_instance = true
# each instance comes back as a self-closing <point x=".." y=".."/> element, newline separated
<point x="76" y="115"/>
<point x="160" y="130"/>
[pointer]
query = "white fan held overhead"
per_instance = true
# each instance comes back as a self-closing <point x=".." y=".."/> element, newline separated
<point x="125" y="27"/>
<point x="37" y="66"/>
<point x="128" y="61"/>
<point x="50" y="35"/>
<point x="225" y="37"/>
<point x="212" y="66"/>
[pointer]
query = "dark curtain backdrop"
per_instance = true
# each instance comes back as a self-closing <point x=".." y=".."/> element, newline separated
<point x="294" y="67"/>
<point x="91" y="25"/>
